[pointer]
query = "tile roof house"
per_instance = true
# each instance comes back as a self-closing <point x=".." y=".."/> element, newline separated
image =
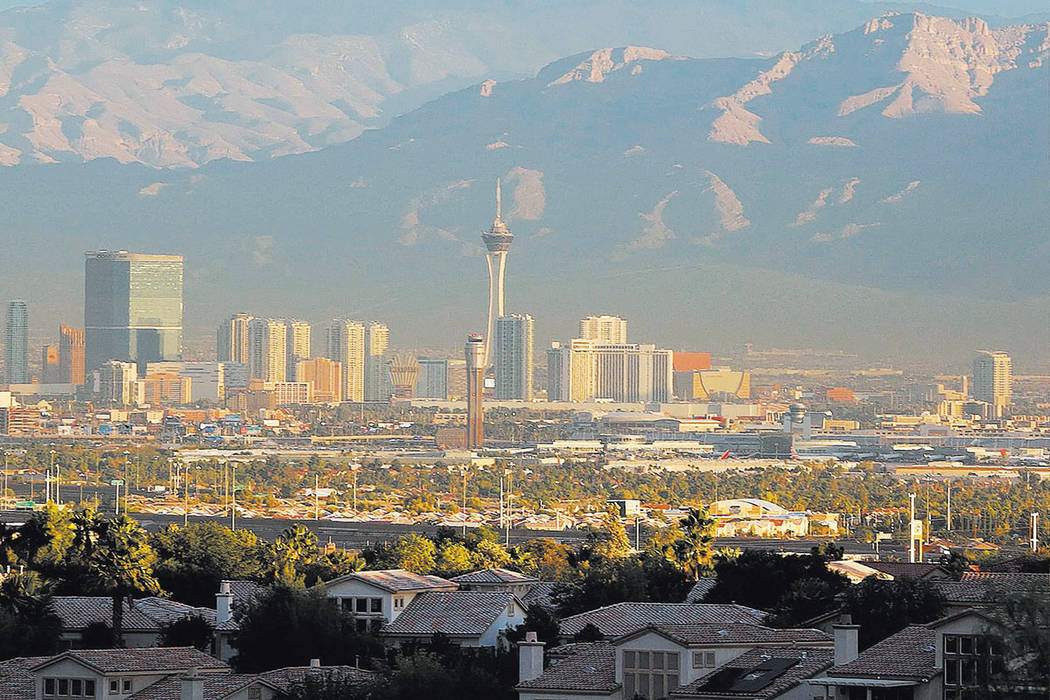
<point x="467" y="618"/>
<point x="763" y="672"/>
<point x="624" y="618"/>
<point x="658" y="661"/>
<point x="496" y="579"/>
<point x="698" y="593"/>
<point x="233" y="595"/>
<point x="376" y="598"/>
<point x="979" y="589"/>
<point x="270" y="685"/>
<point x="911" y="570"/>
<point x="16" y="678"/>
<point x="143" y="619"/>
<point x="114" y="673"/>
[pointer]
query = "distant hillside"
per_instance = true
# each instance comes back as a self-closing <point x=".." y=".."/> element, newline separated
<point x="881" y="190"/>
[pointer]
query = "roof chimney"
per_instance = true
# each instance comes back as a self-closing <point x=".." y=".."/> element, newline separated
<point x="315" y="663"/>
<point x="223" y="603"/>
<point x="847" y="640"/>
<point x="191" y="685"/>
<point x="530" y="658"/>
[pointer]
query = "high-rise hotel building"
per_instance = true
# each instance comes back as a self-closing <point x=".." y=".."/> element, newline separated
<point x="377" y="377"/>
<point x="297" y="336"/>
<point x="588" y="370"/>
<point x="993" y="379"/>
<point x="71" y="355"/>
<point x="132" y="307"/>
<point x="512" y="358"/>
<point x="604" y="329"/>
<point x="474" y="353"/>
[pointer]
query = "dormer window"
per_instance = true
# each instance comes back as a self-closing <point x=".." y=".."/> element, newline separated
<point x="650" y="674"/>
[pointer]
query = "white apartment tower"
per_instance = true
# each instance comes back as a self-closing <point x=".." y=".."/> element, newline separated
<point x="513" y="357"/>
<point x="993" y="379"/>
<point x="231" y="342"/>
<point x="377" y="378"/>
<point x="345" y="343"/>
<point x="268" y="350"/>
<point x="297" y="336"/>
<point x="604" y="329"/>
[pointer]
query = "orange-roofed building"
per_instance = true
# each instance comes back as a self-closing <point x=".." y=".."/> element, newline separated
<point x="691" y="361"/>
<point x="841" y="395"/>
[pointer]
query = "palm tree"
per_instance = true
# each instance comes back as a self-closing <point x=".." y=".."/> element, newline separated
<point x="693" y="550"/>
<point x="121" y="563"/>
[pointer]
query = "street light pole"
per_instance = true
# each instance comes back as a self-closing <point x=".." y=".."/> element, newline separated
<point x="1035" y="531"/>
<point x="233" y="496"/>
<point x="911" y="530"/>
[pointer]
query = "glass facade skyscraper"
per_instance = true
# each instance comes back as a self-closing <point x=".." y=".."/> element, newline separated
<point x="16" y="343"/>
<point x="132" y="307"/>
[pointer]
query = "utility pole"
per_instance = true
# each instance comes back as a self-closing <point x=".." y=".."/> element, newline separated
<point x="233" y="496"/>
<point x="317" y="507"/>
<point x="911" y="530"/>
<point x="949" y="506"/>
<point x="1035" y="531"/>
<point x="501" y="500"/>
<point x="186" y="502"/>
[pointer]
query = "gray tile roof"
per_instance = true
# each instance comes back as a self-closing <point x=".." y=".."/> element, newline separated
<point x="144" y="660"/>
<point x="220" y="686"/>
<point x="396" y="580"/>
<point x="808" y="663"/>
<point x="244" y="592"/>
<point x="454" y="613"/>
<point x="589" y="667"/>
<point x="740" y="633"/>
<point x="493" y="576"/>
<point x="16" y="679"/>
<point x="699" y="591"/>
<point x="541" y="594"/>
<point x="144" y="615"/>
<point x="976" y="586"/>
<point x="624" y="618"/>
<point x="909" y="570"/>
<point x="909" y="654"/>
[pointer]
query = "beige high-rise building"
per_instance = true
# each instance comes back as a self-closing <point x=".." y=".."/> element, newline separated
<point x="268" y="348"/>
<point x="231" y="340"/>
<point x="604" y="329"/>
<point x="324" y="375"/>
<point x="588" y="370"/>
<point x="297" y="335"/>
<point x="377" y="378"/>
<point x="993" y="379"/>
<point x="345" y="343"/>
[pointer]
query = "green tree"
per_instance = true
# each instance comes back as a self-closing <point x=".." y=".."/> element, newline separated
<point x="1020" y="632"/>
<point x="542" y="621"/>
<point x="120" y="564"/>
<point x="190" y="631"/>
<point x="882" y="608"/>
<point x="193" y="560"/>
<point x="288" y="626"/>
<point x="693" y="551"/>
<point x="548" y="559"/>
<point x="28" y="624"/>
<point x="453" y="558"/>
<point x="415" y="553"/>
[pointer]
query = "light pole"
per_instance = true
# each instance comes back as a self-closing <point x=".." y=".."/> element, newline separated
<point x="911" y="530"/>
<point x="1035" y="531"/>
<point x="47" y="478"/>
<point x="126" y="455"/>
<point x="949" y="506"/>
<point x="233" y="496"/>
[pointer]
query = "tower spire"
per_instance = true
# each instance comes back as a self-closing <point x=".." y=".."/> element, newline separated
<point x="499" y="197"/>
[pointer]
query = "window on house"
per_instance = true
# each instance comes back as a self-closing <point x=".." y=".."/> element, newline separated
<point x="361" y="605"/>
<point x="703" y="659"/>
<point x="347" y="604"/>
<point x="114" y="687"/>
<point x="969" y="660"/>
<point x="127" y="685"/>
<point x="650" y="674"/>
<point x="377" y="605"/>
<point x="68" y="688"/>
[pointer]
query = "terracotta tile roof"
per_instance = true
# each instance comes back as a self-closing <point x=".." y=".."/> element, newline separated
<point x="285" y="678"/>
<point x="908" y="654"/>
<point x="624" y="618"/>
<point x="454" y="613"/>
<point x="739" y="633"/>
<point x="16" y="679"/>
<point x="395" y="580"/>
<point x="493" y="576"/>
<point x="144" y="615"/>
<point x="699" y="591"/>
<point x="732" y="679"/>
<point x="904" y="569"/>
<point x="589" y="667"/>
<point x="976" y="586"/>
<point x="146" y="659"/>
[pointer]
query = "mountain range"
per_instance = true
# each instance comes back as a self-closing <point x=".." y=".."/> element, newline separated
<point x="881" y="188"/>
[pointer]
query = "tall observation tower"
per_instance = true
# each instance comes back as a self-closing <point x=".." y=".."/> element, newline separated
<point x="497" y="240"/>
